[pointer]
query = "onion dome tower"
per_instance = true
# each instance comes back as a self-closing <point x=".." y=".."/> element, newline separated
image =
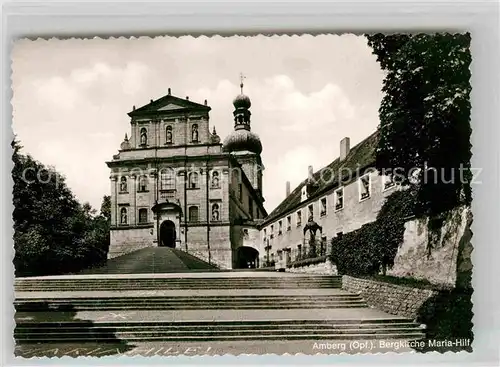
<point x="242" y="138"/>
<point x="244" y="144"/>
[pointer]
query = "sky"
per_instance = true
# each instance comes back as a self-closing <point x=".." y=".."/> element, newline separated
<point x="71" y="98"/>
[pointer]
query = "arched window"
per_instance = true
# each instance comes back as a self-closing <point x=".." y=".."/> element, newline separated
<point x="215" y="180"/>
<point x="167" y="179"/>
<point x="193" y="214"/>
<point x="144" y="137"/>
<point x="194" y="133"/>
<point x="123" y="184"/>
<point x="123" y="216"/>
<point x="168" y="139"/>
<point x="143" y="184"/>
<point x="193" y="180"/>
<point x="215" y="212"/>
<point x="143" y="215"/>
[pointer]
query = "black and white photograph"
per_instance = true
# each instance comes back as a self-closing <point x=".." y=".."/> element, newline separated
<point x="210" y="195"/>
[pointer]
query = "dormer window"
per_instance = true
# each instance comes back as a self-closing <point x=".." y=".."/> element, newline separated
<point x="168" y="135"/>
<point x="144" y="137"/>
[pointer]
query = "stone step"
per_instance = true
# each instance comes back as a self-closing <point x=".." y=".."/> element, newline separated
<point x="322" y="336"/>
<point x="99" y="286"/>
<point x="207" y="306"/>
<point x="189" y="331"/>
<point x="215" y="323"/>
<point x="215" y="326"/>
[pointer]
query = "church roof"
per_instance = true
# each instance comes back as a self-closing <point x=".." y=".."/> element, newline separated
<point x="168" y="103"/>
<point x="360" y="156"/>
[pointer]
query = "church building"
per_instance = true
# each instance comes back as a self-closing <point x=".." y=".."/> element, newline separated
<point x="174" y="184"/>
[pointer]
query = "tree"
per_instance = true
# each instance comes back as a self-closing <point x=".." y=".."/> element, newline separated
<point x="53" y="233"/>
<point x="106" y="207"/>
<point x="424" y="116"/>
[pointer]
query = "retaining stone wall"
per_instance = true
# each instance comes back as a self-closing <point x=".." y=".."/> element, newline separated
<point x="394" y="299"/>
<point x="322" y="268"/>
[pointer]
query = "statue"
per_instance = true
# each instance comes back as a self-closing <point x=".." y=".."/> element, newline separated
<point x="215" y="180"/>
<point x="195" y="133"/>
<point x="169" y="134"/>
<point x="144" y="138"/>
<point x="312" y="227"/>
<point x="123" y="184"/>
<point x="123" y="219"/>
<point x="215" y="212"/>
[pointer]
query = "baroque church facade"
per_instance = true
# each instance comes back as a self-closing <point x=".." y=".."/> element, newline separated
<point x="174" y="184"/>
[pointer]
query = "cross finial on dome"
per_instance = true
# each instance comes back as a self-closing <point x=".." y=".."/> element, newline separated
<point x="242" y="77"/>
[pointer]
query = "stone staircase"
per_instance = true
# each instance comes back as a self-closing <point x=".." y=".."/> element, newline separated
<point x="195" y="307"/>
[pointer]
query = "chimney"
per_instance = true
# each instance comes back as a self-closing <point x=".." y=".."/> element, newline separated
<point x="345" y="146"/>
<point x="287" y="189"/>
<point x="187" y="98"/>
<point x="151" y="101"/>
<point x="169" y="91"/>
<point x="310" y="172"/>
<point x="206" y="102"/>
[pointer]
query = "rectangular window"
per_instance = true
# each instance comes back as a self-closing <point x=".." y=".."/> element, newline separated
<point x="289" y="223"/>
<point x="388" y="181"/>
<point x="310" y="210"/>
<point x="339" y="198"/>
<point x="323" y="207"/>
<point x="280" y="227"/>
<point x="272" y="231"/>
<point x="193" y="214"/>
<point x="364" y="187"/>
<point x="167" y="180"/>
<point x="143" y="216"/>
<point x="299" y="218"/>
<point x="265" y="233"/>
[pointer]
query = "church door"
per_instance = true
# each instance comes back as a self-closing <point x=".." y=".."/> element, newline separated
<point x="167" y="234"/>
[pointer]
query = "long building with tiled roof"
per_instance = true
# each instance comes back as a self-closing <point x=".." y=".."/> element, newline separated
<point x="339" y="197"/>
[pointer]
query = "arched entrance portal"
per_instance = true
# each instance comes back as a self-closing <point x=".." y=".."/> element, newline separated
<point x="167" y="234"/>
<point x="247" y="258"/>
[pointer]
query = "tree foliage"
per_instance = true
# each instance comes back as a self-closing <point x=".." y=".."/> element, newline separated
<point x="424" y="115"/>
<point x="53" y="232"/>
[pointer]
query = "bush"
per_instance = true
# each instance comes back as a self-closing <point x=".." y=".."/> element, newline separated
<point x="374" y="246"/>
